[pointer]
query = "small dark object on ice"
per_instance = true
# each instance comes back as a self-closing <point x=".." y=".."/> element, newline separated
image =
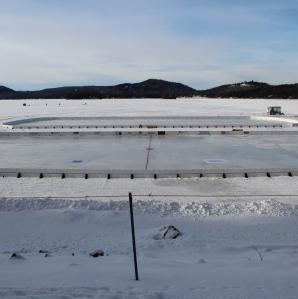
<point x="16" y="256"/>
<point x="202" y="261"/>
<point x="72" y="254"/>
<point x="77" y="161"/>
<point x="96" y="253"/>
<point x="45" y="252"/>
<point x="167" y="233"/>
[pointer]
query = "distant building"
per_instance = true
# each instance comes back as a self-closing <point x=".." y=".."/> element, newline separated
<point x="274" y="110"/>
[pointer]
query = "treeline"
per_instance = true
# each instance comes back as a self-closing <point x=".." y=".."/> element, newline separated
<point x="151" y="88"/>
<point x="254" y="90"/>
<point x="154" y="88"/>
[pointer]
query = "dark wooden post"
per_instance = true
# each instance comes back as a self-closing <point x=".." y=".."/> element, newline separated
<point x="133" y="237"/>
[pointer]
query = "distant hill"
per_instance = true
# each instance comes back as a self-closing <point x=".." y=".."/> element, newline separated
<point x="4" y="89"/>
<point x="151" y="88"/>
<point x="252" y="90"/>
<point x="154" y="88"/>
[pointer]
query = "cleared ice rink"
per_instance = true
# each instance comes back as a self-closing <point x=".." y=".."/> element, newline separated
<point x="133" y="152"/>
<point x="140" y="152"/>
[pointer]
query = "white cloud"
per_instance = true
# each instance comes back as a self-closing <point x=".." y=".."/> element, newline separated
<point x="41" y="48"/>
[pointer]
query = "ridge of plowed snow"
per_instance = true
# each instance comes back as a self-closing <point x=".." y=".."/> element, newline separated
<point x="270" y="207"/>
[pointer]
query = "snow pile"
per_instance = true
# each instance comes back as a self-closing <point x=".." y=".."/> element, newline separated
<point x="169" y="232"/>
<point x="269" y="207"/>
<point x="104" y="292"/>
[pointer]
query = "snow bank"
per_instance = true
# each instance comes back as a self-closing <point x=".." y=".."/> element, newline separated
<point x="270" y="207"/>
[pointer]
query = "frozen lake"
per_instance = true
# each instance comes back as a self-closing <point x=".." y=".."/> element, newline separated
<point x="132" y="152"/>
<point x="142" y="107"/>
<point x="227" y="225"/>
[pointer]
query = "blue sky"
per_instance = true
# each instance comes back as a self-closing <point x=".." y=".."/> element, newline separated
<point x="46" y="43"/>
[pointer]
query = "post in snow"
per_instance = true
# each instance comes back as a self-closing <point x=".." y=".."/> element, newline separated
<point x="133" y="237"/>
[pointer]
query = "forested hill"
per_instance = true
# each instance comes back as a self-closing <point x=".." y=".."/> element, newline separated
<point x="252" y="90"/>
<point x="154" y="88"/>
<point x="151" y="88"/>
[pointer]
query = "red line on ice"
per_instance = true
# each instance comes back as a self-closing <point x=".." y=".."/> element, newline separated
<point x="149" y="148"/>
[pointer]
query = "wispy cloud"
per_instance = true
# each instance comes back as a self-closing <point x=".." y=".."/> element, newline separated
<point x="201" y="43"/>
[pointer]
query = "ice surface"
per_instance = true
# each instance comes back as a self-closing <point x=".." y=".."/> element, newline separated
<point x="129" y="152"/>
<point x="239" y="235"/>
<point x="142" y="107"/>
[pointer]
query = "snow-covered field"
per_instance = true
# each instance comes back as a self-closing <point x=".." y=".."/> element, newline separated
<point x="141" y="107"/>
<point x="239" y="236"/>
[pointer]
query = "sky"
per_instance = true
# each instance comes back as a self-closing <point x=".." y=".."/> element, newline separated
<point x="201" y="43"/>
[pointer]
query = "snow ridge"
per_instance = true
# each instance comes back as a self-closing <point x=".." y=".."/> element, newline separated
<point x="269" y="207"/>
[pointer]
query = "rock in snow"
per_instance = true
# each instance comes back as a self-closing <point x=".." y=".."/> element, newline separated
<point x="168" y="232"/>
<point x="96" y="253"/>
<point x="16" y="256"/>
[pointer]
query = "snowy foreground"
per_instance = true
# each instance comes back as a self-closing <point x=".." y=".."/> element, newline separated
<point x="231" y="247"/>
<point x="239" y="236"/>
